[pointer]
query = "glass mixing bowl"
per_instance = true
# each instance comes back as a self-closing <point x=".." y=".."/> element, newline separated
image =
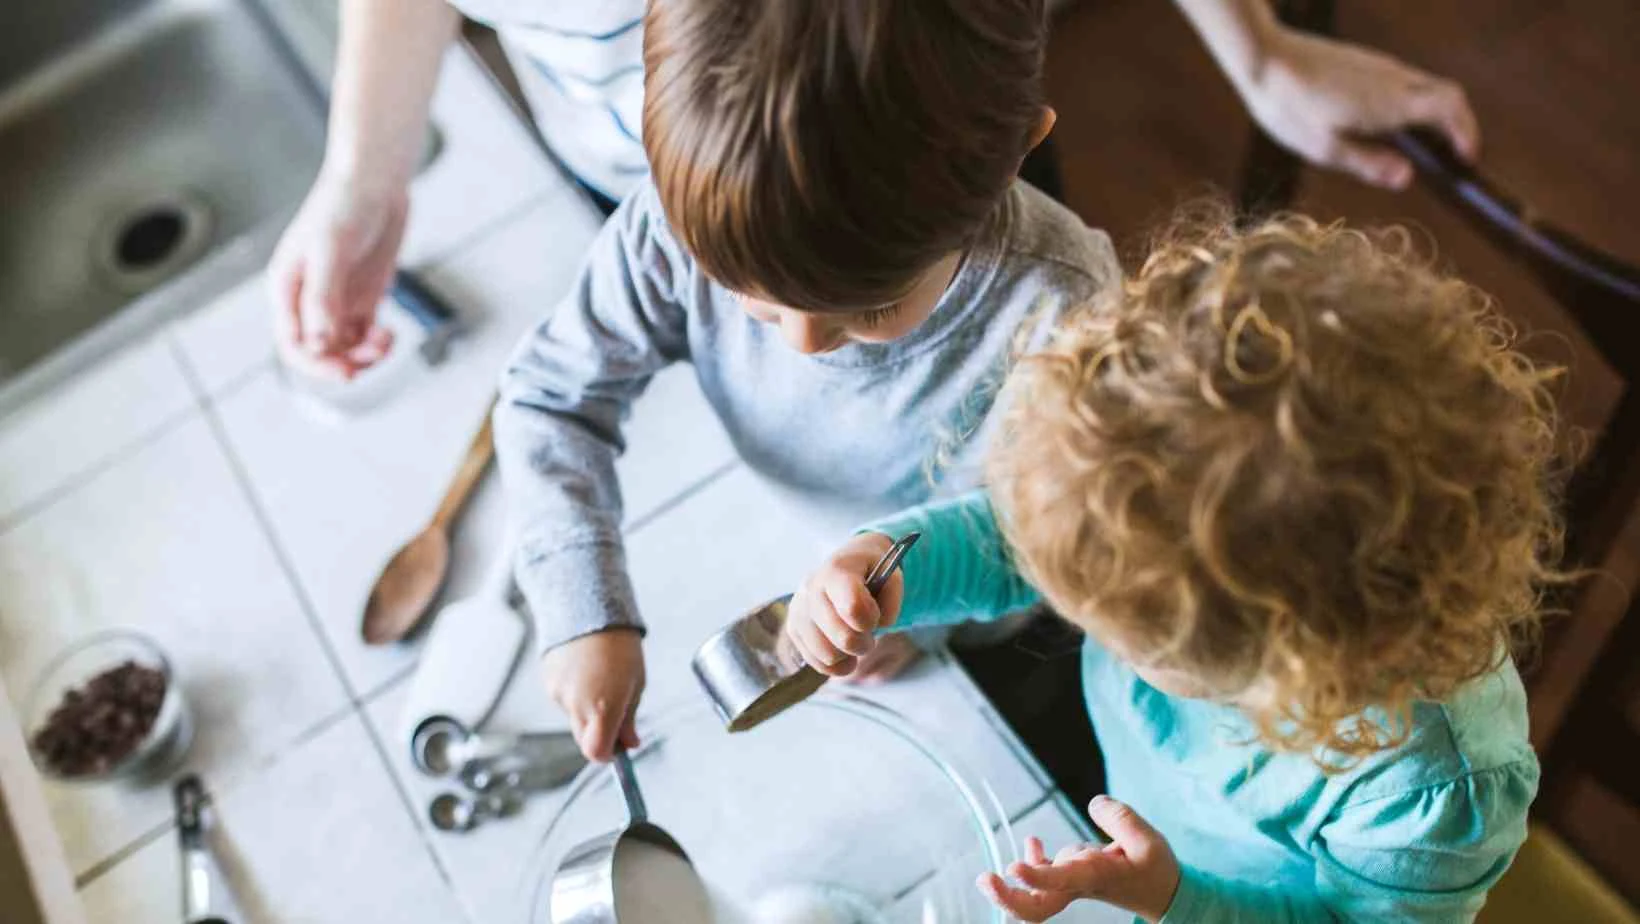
<point x="836" y="812"/>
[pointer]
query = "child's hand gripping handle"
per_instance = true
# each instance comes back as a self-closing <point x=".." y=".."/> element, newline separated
<point x="884" y="569"/>
<point x="816" y="634"/>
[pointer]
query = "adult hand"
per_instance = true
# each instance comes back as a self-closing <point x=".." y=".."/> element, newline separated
<point x="597" y="680"/>
<point x="1136" y="871"/>
<point x="1323" y="99"/>
<point x="329" y="272"/>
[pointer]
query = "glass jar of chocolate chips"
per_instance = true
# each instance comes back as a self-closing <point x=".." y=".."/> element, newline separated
<point x="108" y="708"/>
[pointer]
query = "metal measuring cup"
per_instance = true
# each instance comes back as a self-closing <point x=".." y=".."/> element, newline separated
<point x="583" y="888"/>
<point x="751" y="671"/>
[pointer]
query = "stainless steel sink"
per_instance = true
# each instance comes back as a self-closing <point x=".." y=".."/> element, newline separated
<point x="150" y="151"/>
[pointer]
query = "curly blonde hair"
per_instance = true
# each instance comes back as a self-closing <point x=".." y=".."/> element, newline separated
<point x="1296" y="464"/>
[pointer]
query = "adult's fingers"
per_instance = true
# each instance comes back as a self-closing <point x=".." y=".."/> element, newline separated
<point x="329" y="319"/>
<point x="1371" y="163"/>
<point x="289" y="337"/>
<point x="372" y="349"/>
<point x="285" y="288"/>
<point x="1442" y="104"/>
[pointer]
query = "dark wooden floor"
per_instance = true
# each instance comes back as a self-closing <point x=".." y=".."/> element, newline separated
<point x="1146" y="121"/>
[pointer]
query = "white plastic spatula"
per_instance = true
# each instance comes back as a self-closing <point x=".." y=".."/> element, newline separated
<point x="468" y="656"/>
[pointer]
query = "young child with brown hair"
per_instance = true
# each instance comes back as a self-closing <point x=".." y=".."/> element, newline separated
<point x="1296" y="487"/>
<point x="834" y="239"/>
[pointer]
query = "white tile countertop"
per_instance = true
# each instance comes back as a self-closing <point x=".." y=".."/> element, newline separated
<point x="179" y="487"/>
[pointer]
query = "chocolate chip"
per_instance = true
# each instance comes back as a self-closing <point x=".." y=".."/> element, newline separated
<point x="102" y="722"/>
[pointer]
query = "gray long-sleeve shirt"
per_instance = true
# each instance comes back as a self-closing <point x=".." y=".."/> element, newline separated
<point x="861" y="426"/>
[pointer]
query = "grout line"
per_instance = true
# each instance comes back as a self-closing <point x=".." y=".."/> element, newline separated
<point x="382" y="688"/>
<point x="204" y="404"/>
<point x="678" y="499"/>
<point x="309" y="734"/>
<point x="203" y="408"/>
<point x="265" y="523"/>
<point x="900" y="896"/>
<point x="469" y="241"/>
<point x="95" y="470"/>
<point x="355" y="701"/>
<point x="999" y="724"/>
<point x="1041" y="800"/>
<point x="410" y="807"/>
<point x="237" y="382"/>
<point x="218" y="791"/>
<point x="310" y="612"/>
<point x="439" y="261"/>
<point x="98" y="869"/>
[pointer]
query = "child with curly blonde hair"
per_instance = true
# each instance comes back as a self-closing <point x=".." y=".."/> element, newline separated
<point x="1297" y="488"/>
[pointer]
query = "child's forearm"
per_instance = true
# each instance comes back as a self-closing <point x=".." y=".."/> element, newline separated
<point x="960" y="570"/>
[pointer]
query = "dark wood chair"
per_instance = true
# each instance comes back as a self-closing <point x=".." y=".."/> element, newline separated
<point x="1585" y="687"/>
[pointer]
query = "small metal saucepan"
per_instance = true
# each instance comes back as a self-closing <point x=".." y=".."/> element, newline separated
<point x="750" y="670"/>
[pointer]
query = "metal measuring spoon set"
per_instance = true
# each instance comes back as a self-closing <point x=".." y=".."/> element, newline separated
<point x="497" y="771"/>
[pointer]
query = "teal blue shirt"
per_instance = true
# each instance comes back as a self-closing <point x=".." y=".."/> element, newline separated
<point x="1417" y="833"/>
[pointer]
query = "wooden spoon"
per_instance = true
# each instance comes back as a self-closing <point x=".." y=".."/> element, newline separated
<point x="413" y="577"/>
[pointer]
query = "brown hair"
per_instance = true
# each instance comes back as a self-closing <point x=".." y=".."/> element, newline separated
<point x="1295" y="464"/>
<point x="823" y="154"/>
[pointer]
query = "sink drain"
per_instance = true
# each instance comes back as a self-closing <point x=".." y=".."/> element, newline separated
<point x="145" y="244"/>
<point x="148" y="239"/>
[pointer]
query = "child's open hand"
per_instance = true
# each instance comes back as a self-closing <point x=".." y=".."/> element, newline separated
<point x="1136" y="871"/>
<point x="831" y="618"/>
